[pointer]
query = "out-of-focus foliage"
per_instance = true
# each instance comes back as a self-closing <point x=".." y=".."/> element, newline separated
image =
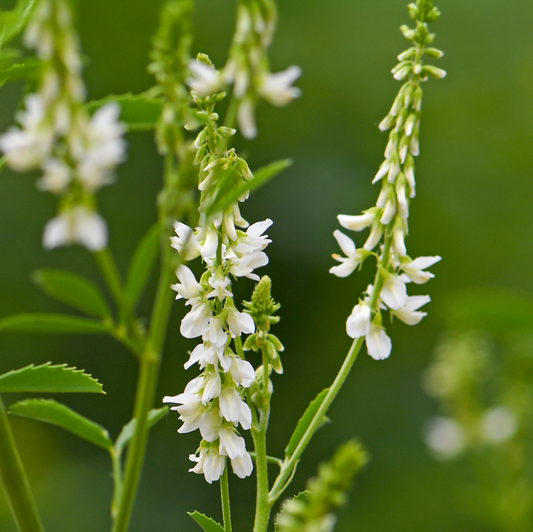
<point x="472" y="208"/>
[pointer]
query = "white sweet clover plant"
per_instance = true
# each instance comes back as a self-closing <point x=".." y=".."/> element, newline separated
<point x="77" y="146"/>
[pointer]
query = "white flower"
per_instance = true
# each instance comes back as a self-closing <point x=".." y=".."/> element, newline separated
<point x="246" y="119"/>
<point x="210" y="463"/>
<point x="242" y="372"/>
<point x="231" y="444"/>
<point x="191" y="410"/>
<point x="415" y="269"/>
<point x="210" y="424"/>
<point x="212" y="385"/>
<point x="56" y="178"/>
<point x="378" y="343"/>
<point x="215" y="333"/>
<point x="219" y="283"/>
<point x="445" y="437"/>
<point x="276" y="88"/>
<point x="210" y="246"/>
<point x="102" y="148"/>
<point x="233" y="409"/>
<point x="409" y="312"/>
<point x="205" y="81"/>
<point x="28" y="147"/>
<point x="185" y="242"/>
<point x="76" y="226"/>
<point x="196" y="321"/>
<point x="358" y="323"/>
<point x="353" y="258"/>
<point x="188" y="287"/>
<point x="240" y="322"/>
<point x="253" y="239"/>
<point x="498" y="424"/>
<point x="394" y="293"/>
<point x="374" y="237"/>
<point x="242" y="466"/>
<point x="357" y="223"/>
<point x="245" y="265"/>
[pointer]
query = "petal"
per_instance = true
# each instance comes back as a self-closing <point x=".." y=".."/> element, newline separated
<point x="345" y="243"/>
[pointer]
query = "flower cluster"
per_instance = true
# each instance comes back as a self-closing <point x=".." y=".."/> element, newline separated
<point x="213" y="401"/>
<point x="76" y="152"/>
<point x="388" y="219"/>
<point x="457" y="379"/>
<point x="247" y="68"/>
<point x="311" y="510"/>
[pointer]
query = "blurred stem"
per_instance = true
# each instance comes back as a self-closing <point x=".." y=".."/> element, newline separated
<point x="111" y="275"/>
<point x="15" y="482"/>
<point x="150" y="361"/>
<point x="224" y="496"/>
<point x="263" y="504"/>
<point x="117" y="481"/>
<point x="231" y="113"/>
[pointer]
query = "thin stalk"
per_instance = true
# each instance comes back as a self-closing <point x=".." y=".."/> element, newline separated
<point x="150" y="361"/>
<point x="15" y="482"/>
<point x="224" y="496"/>
<point x="290" y="462"/>
<point x="113" y="279"/>
<point x="263" y="505"/>
<point x="117" y="481"/>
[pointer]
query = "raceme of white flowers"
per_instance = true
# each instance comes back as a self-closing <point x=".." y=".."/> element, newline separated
<point x="213" y="402"/>
<point x="388" y="220"/>
<point x="247" y="68"/>
<point x="77" y="153"/>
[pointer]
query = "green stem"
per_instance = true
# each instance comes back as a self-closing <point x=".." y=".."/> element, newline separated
<point x="14" y="481"/>
<point x="263" y="505"/>
<point x="113" y="279"/>
<point x="117" y="481"/>
<point x="291" y="462"/>
<point x="224" y="496"/>
<point x="150" y="361"/>
<point x="231" y="113"/>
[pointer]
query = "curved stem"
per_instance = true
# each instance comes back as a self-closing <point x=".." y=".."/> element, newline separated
<point x="15" y="482"/>
<point x="290" y="462"/>
<point x="224" y="496"/>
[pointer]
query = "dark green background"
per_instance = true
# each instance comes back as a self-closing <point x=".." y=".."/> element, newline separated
<point x="473" y="208"/>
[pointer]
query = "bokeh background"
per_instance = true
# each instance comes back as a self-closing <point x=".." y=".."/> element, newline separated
<point x="473" y="207"/>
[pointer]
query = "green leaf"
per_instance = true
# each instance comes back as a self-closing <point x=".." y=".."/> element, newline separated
<point x="208" y="524"/>
<point x="72" y="290"/>
<point x="127" y="432"/>
<point x="21" y="69"/>
<point x="142" y="264"/>
<point x="301" y="497"/>
<point x="49" y="379"/>
<point x="228" y="194"/>
<point x="138" y="111"/>
<point x="305" y="421"/>
<point x="52" y="324"/>
<point x="50" y="411"/>
<point x="13" y="22"/>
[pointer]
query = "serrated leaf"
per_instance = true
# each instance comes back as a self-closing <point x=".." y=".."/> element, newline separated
<point x="13" y="22"/>
<point x="127" y="432"/>
<point x="228" y="194"/>
<point x="137" y="111"/>
<point x="52" y="324"/>
<point x="50" y="411"/>
<point x="208" y="524"/>
<point x="21" y="69"/>
<point x="304" y="422"/>
<point x="142" y="264"/>
<point x="301" y="497"/>
<point x="48" y="379"/>
<point x="72" y="290"/>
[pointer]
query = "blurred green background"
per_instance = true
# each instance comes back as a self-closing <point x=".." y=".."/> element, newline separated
<point x="473" y="207"/>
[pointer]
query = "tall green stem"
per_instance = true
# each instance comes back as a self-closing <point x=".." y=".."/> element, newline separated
<point x="150" y="361"/>
<point x="14" y="481"/>
<point x="290" y="462"/>
<point x="224" y="496"/>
